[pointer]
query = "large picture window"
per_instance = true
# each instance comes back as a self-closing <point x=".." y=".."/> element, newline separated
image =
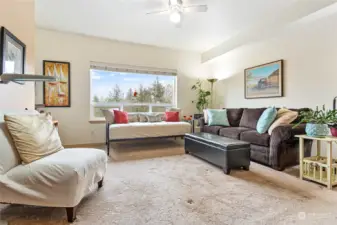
<point x="131" y="90"/>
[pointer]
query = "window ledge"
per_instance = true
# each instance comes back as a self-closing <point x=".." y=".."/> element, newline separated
<point x="97" y="121"/>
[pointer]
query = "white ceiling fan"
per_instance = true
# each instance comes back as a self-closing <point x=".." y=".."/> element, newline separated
<point x="176" y="9"/>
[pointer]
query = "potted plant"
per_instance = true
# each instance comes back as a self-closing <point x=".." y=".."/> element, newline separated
<point x="203" y="96"/>
<point x="317" y="121"/>
<point x="333" y="123"/>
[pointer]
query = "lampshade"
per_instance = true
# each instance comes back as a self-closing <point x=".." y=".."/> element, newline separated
<point x="213" y="80"/>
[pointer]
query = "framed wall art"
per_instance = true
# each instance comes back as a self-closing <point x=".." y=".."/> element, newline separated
<point x="56" y="93"/>
<point x="13" y="53"/>
<point x="264" y="81"/>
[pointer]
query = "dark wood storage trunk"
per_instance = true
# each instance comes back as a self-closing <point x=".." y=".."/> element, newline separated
<point x="221" y="151"/>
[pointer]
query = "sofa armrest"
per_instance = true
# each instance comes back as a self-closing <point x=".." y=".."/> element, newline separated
<point x="281" y="135"/>
<point x="286" y="132"/>
<point x="201" y="121"/>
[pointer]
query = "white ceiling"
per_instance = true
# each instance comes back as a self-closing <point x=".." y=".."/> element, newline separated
<point x="126" y="20"/>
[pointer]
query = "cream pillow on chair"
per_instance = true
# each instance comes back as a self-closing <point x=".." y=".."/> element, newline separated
<point x="34" y="136"/>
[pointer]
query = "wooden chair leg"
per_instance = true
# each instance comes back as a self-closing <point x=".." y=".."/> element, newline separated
<point x="71" y="214"/>
<point x="100" y="183"/>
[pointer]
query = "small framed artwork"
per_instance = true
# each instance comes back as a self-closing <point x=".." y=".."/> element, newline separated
<point x="13" y="53"/>
<point x="264" y="81"/>
<point x="56" y="93"/>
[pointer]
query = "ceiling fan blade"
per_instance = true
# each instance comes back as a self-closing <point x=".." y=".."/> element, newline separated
<point x="157" y="12"/>
<point x="196" y="8"/>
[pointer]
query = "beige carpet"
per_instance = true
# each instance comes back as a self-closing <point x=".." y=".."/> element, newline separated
<point x="184" y="190"/>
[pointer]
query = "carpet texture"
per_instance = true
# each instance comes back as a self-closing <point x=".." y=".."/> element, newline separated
<point x="185" y="190"/>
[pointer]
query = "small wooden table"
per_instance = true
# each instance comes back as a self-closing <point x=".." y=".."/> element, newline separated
<point x="194" y="118"/>
<point x="319" y="168"/>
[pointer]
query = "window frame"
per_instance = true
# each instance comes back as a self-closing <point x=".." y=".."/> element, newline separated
<point x="133" y="70"/>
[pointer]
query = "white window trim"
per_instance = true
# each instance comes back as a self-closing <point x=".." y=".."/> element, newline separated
<point x="130" y="69"/>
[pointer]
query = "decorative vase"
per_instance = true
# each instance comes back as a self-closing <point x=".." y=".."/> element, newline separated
<point x="333" y="131"/>
<point x="317" y="130"/>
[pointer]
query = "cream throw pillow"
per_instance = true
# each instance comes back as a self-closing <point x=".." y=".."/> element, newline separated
<point x="284" y="117"/>
<point x="205" y="116"/>
<point x="34" y="136"/>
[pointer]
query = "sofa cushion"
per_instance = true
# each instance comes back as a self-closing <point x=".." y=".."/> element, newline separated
<point x="217" y="117"/>
<point x="233" y="132"/>
<point x="108" y="115"/>
<point x="147" y="130"/>
<point x="35" y="136"/>
<point x="284" y="117"/>
<point x="234" y="116"/>
<point x="172" y="116"/>
<point x="154" y="118"/>
<point x="212" y="129"/>
<point x="132" y="118"/>
<point x="256" y="138"/>
<point x="172" y="109"/>
<point x="121" y="117"/>
<point x="9" y="155"/>
<point x="299" y="118"/>
<point x="266" y="119"/>
<point x="142" y="118"/>
<point x="250" y="117"/>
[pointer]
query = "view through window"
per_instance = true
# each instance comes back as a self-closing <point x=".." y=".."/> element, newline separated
<point x="131" y="92"/>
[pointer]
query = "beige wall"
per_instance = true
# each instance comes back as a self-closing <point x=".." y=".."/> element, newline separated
<point x="309" y="51"/>
<point x="80" y="50"/>
<point x="18" y="17"/>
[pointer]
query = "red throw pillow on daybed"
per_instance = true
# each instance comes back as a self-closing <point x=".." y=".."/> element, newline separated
<point x="172" y="116"/>
<point x="121" y="117"/>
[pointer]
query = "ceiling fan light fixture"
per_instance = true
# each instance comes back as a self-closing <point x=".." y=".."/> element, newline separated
<point x="175" y="2"/>
<point x="175" y="17"/>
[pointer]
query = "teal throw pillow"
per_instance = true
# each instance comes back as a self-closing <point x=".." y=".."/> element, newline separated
<point x="266" y="119"/>
<point x="217" y="117"/>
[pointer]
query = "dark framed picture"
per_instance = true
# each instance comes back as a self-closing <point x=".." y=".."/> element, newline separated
<point x="13" y="53"/>
<point x="264" y="81"/>
<point x="56" y="93"/>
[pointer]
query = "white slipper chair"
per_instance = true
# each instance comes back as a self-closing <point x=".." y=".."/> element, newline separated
<point x="61" y="179"/>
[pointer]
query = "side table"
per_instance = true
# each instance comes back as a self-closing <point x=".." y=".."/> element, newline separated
<point x="195" y="117"/>
<point x="318" y="168"/>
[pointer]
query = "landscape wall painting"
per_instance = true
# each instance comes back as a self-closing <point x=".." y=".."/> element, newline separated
<point x="264" y="81"/>
<point x="57" y="93"/>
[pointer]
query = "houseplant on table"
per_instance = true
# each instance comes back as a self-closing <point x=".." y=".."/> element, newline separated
<point x="317" y="121"/>
<point x="333" y="123"/>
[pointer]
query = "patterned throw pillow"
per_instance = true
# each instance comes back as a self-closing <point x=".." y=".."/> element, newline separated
<point x="217" y="117"/>
<point x="266" y="119"/>
<point x="154" y="118"/>
<point x="133" y="118"/>
<point x="142" y="118"/>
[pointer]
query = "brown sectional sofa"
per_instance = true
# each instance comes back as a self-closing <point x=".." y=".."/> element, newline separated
<point x="278" y="150"/>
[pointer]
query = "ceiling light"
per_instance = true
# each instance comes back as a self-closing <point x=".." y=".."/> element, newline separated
<point x="173" y="2"/>
<point x="175" y="17"/>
